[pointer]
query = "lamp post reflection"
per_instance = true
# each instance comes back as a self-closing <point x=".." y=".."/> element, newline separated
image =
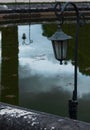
<point x="59" y="42"/>
<point x="24" y="38"/>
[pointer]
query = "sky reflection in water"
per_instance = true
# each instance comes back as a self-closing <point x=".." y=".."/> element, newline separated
<point x="37" y="60"/>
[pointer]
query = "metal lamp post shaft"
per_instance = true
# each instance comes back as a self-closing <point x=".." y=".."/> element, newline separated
<point x="76" y="61"/>
<point x="73" y="103"/>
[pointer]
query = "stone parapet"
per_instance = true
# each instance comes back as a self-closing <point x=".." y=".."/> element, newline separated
<point x="17" y="118"/>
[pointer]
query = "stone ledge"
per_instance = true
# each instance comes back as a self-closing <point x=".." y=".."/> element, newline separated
<point x="17" y="118"/>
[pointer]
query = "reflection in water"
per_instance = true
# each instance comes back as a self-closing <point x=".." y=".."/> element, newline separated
<point x="84" y="108"/>
<point x="9" y="65"/>
<point x="24" y="37"/>
<point x="44" y="85"/>
<point x="50" y="101"/>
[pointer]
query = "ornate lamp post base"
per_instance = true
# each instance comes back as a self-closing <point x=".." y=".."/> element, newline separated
<point x="73" y="109"/>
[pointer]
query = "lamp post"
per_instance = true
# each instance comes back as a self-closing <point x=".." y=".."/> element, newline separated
<point x="59" y="41"/>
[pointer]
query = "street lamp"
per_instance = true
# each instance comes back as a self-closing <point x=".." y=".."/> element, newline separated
<point x="59" y="41"/>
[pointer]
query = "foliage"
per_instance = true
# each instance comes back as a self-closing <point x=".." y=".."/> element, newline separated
<point x="83" y="47"/>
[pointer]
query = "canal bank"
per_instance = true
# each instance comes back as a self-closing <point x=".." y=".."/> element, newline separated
<point x="17" y="118"/>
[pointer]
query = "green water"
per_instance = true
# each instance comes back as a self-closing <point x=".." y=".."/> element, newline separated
<point x="30" y="75"/>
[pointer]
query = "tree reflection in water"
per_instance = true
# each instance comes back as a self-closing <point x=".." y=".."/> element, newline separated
<point x="9" y="65"/>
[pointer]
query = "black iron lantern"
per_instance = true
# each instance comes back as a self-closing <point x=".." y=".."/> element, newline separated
<point x="59" y="42"/>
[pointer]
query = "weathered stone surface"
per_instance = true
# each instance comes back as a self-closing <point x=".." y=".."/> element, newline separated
<point x="16" y="118"/>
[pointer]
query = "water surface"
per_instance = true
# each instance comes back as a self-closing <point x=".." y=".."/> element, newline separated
<point x="31" y="77"/>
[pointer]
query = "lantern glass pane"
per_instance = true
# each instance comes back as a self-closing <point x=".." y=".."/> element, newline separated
<point x="64" y="49"/>
<point x="60" y="49"/>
